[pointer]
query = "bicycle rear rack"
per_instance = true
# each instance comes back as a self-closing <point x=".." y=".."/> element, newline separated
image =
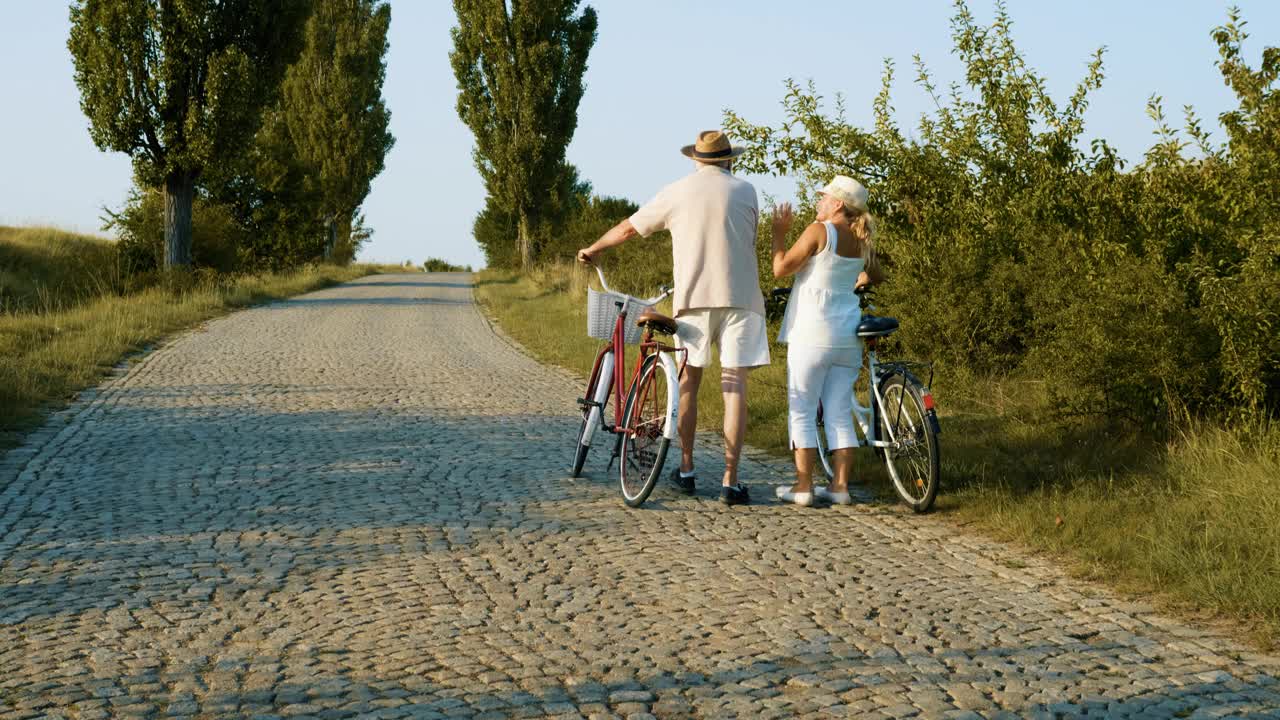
<point x="914" y="368"/>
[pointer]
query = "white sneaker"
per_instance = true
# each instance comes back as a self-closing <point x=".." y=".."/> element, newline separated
<point x="784" y="494"/>
<point x="835" y="498"/>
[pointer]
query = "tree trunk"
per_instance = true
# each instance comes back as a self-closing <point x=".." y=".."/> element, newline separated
<point x="179" y="192"/>
<point x="525" y="242"/>
<point x="331" y="233"/>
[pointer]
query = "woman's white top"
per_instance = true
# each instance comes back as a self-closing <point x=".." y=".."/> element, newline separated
<point x="823" y="310"/>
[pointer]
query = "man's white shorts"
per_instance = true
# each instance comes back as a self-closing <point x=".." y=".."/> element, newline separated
<point x="741" y="335"/>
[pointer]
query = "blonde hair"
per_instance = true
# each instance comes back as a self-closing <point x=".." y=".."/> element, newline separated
<point x="863" y="227"/>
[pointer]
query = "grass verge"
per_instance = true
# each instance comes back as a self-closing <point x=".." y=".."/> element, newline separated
<point x="44" y="269"/>
<point x="47" y="355"/>
<point x="1192" y="523"/>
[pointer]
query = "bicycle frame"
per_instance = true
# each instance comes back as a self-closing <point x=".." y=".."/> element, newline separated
<point x="611" y="361"/>
<point x="863" y="415"/>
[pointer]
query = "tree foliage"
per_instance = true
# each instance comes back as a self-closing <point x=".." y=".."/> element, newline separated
<point x="568" y="209"/>
<point x="1016" y="245"/>
<point x="333" y="107"/>
<point x="519" y="66"/>
<point x="180" y="86"/>
<point x="321" y="144"/>
<point x="269" y="199"/>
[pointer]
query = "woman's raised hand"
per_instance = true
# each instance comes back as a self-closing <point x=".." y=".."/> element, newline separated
<point x="783" y="216"/>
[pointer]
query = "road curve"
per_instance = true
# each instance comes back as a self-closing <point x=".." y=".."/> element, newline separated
<point x="355" y="503"/>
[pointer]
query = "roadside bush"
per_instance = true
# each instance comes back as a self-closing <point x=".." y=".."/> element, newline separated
<point x="438" y="265"/>
<point x="589" y="217"/>
<point x="1114" y="337"/>
<point x="495" y="231"/>
<point x="1016" y="246"/>
<point x="216" y="238"/>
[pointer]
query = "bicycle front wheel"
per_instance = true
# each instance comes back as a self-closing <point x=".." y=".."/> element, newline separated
<point x="644" y="444"/>
<point x="912" y="459"/>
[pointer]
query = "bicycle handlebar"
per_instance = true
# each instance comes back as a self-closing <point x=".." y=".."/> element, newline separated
<point x="782" y="292"/>
<point x="666" y="290"/>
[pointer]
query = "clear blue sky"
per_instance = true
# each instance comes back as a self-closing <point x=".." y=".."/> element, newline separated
<point x="661" y="71"/>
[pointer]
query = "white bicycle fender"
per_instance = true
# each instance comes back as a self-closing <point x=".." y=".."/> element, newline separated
<point x="596" y="416"/>
<point x="673" y="395"/>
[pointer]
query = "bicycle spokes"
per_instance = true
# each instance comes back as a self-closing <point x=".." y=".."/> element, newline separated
<point x="644" y="444"/>
<point x="912" y="457"/>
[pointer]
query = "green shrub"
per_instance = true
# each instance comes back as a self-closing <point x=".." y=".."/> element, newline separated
<point x="1015" y="246"/>
<point x="217" y="241"/>
<point x="438" y="265"/>
<point x="586" y="219"/>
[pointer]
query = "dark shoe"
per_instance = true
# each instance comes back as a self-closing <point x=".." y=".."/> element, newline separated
<point x="734" y="494"/>
<point x="684" y="483"/>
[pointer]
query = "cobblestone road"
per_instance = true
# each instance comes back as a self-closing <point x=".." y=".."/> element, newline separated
<point x="355" y="503"/>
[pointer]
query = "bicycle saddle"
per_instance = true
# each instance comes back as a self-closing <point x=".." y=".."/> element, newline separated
<point x="657" y="322"/>
<point x="872" y="326"/>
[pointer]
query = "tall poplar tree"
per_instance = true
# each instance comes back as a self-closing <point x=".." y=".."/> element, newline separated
<point x="180" y="85"/>
<point x="333" y="106"/>
<point x="519" y="66"/>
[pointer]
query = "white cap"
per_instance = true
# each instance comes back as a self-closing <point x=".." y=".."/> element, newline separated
<point x="848" y="191"/>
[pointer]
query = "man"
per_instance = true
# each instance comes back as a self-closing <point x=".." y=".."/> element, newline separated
<point x="713" y="218"/>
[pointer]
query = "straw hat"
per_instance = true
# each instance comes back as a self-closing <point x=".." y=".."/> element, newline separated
<point x="848" y="191"/>
<point x="712" y="146"/>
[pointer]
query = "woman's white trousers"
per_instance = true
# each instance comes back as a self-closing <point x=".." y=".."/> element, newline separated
<point x="822" y="374"/>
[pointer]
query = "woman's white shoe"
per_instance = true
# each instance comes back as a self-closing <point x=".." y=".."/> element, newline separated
<point x="835" y="498"/>
<point x="785" y="495"/>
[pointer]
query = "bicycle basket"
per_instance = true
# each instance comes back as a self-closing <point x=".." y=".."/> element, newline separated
<point x="602" y="313"/>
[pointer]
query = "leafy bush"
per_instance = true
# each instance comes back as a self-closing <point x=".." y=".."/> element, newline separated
<point x="438" y="265"/>
<point x="1014" y="245"/>
<point x="495" y="232"/>
<point x="217" y="240"/>
<point x="638" y="266"/>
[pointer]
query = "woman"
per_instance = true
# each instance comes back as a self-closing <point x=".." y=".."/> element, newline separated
<point x="832" y="257"/>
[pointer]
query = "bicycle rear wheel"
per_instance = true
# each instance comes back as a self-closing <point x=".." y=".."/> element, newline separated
<point x="644" y="445"/>
<point x="593" y="410"/>
<point x="824" y="454"/>
<point x="912" y="459"/>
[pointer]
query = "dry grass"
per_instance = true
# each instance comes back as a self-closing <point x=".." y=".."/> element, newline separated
<point x="46" y="269"/>
<point x="1192" y="522"/>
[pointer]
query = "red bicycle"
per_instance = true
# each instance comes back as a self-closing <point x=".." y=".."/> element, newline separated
<point x="645" y="424"/>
